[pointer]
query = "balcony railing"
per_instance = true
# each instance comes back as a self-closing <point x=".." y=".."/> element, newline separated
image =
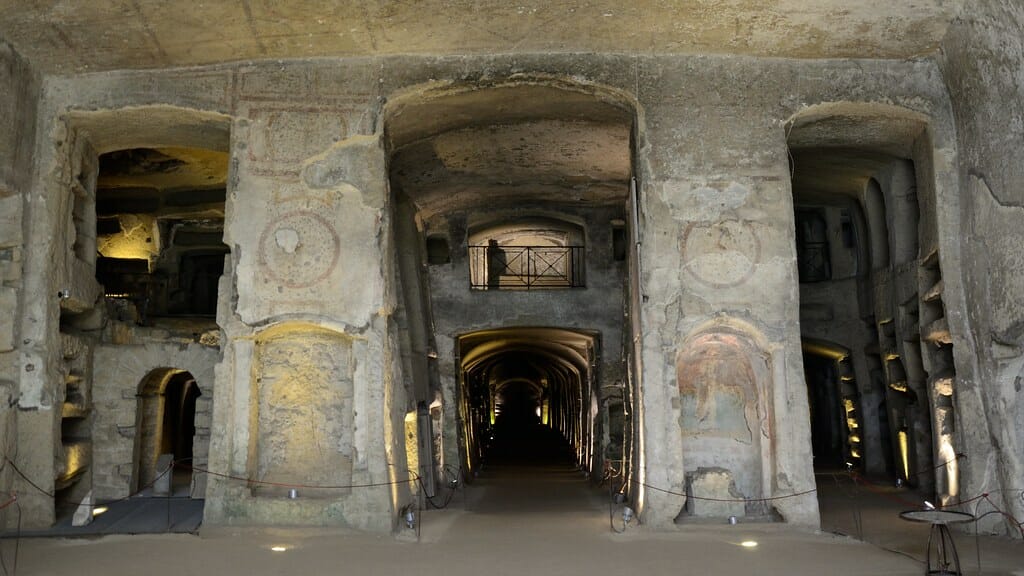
<point x="525" y="267"/>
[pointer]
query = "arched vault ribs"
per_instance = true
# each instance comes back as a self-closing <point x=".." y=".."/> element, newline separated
<point x="520" y="185"/>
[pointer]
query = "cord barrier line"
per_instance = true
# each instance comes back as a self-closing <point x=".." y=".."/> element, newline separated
<point x="860" y="480"/>
<point x="956" y="457"/>
<point x="1008" y="516"/>
<point x="769" y="499"/>
<point x="180" y="464"/>
<point x="82" y="503"/>
<point x="13" y="571"/>
<point x="856" y="478"/>
<point x="415" y="478"/>
<point x="409" y="480"/>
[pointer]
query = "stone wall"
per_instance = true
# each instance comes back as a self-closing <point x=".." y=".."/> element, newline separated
<point x="983" y="65"/>
<point x="121" y="368"/>
<point x="18" y="95"/>
<point x="714" y="160"/>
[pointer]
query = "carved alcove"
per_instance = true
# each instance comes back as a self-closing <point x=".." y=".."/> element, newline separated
<point x="724" y="379"/>
<point x="301" y="411"/>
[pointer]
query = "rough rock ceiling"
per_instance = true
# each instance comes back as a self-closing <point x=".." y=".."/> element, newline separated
<point x="835" y="151"/>
<point x="164" y="169"/>
<point x="174" y="183"/>
<point x="533" y="160"/>
<point x="64" y="36"/>
<point x="509" y="144"/>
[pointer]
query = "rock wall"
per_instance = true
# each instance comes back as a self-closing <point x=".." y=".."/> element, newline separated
<point x="983" y="65"/>
<point x="717" y="236"/>
<point x="457" y="310"/>
<point x="18" y="96"/>
<point x="311" y="250"/>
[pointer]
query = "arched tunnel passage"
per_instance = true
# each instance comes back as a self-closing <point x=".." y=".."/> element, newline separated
<point x="527" y="401"/>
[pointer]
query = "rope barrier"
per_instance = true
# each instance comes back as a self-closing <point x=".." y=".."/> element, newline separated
<point x="610" y="473"/>
<point x="1017" y="523"/>
<point x="82" y="503"/>
<point x="409" y="480"/>
<point x="736" y="500"/>
<point x="857" y="479"/>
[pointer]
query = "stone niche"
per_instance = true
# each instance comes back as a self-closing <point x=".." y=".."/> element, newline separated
<point x="303" y="412"/>
<point x="723" y="377"/>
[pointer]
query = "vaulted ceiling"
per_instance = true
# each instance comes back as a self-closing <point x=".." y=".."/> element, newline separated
<point x="69" y="36"/>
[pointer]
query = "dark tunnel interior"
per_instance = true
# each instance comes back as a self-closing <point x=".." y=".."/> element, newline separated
<point x="526" y="397"/>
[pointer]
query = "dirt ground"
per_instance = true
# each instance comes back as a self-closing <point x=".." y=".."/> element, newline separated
<point x="522" y="520"/>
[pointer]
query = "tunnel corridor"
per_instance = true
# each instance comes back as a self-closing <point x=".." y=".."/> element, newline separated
<point x="527" y="404"/>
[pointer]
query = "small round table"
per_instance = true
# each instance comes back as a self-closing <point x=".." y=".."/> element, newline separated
<point x="940" y="541"/>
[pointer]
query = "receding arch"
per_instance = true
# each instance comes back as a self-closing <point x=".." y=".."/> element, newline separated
<point x="148" y="191"/>
<point x="552" y="364"/>
<point x="874" y="163"/>
<point x="833" y="405"/>
<point x="532" y="159"/>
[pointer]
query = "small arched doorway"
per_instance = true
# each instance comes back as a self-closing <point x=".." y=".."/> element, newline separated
<point x="833" y="403"/>
<point x="165" y="426"/>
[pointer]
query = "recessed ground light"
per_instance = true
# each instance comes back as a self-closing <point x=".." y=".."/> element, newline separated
<point x="99" y="510"/>
<point x="278" y="548"/>
<point x="748" y="544"/>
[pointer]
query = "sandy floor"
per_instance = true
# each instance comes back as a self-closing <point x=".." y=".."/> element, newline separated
<point x="519" y="520"/>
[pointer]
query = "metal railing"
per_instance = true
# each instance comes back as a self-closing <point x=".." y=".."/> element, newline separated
<point x="525" y="267"/>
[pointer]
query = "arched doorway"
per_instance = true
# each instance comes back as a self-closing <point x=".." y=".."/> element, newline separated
<point x="165" y="431"/>
<point x="516" y="381"/>
<point x="832" y="399"/>
<point x="865" y="313"/>
<point x="514" y="207"/>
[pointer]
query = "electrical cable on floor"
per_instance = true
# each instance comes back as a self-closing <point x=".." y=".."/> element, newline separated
<point x="17" y="541"/>
<point x="733" y="500"/>
<point x="405" y="512"/>
<point x="616" y="497"/>
<point x="451" y="483"/>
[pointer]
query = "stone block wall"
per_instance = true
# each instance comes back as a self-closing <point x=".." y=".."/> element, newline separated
<point x="120" y="371"/>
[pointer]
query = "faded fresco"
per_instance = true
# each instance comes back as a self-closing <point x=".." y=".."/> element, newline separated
<point x="721" y="419"/>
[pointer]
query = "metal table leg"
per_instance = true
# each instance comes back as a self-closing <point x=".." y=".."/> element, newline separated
<point x="942" y="550"/>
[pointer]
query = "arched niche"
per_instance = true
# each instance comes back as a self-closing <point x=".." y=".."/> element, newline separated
<point x="301" y="410"/>
<point x="874" y="206"/>
<point x="724" y="419"/>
